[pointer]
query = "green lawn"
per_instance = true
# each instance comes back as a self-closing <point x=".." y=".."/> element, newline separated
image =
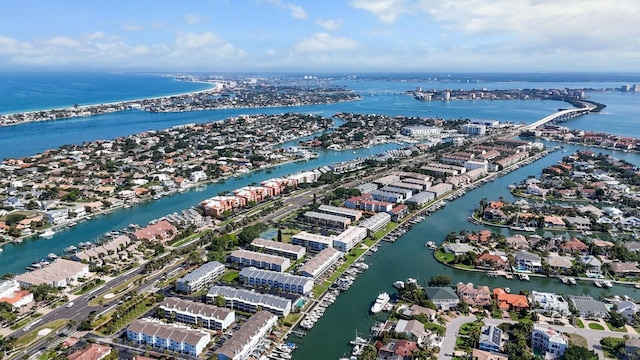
<point x="230" y="276"/>
<point x="579" y="323"/>
<point x="29" y="337"/>
<point x="443" y="257"/>
<point x="577" y="340"/>
<point x="89" y="286"/>
<point x="595" y="326"/>
<point x="381" y="233"/>
<point x="620" y="329"/>
<point x="185" y="240"/>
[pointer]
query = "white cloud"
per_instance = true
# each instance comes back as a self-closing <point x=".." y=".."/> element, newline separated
<point x="330" y="25"/>
<point x="387" y="11"/>
<point x="296" y="10"/>
<point x="323" y="42"/>
<point x="192" y="19"/>
<point x="62" y="41"/>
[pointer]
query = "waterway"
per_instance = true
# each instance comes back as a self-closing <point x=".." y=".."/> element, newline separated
<point x="408" y="257"/>
<point x="16" y="257"/>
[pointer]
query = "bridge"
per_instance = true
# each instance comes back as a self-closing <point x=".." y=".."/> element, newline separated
<point x="562" y="115"/>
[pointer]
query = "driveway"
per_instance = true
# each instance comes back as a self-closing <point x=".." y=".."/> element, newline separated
<point x="450" y="336"/>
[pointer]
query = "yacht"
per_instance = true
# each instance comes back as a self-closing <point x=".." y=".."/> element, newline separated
<point x="523" y="277"/>
<point x="572" y="281"/>
<point x="381" y="301"/>
<point x="47" y="234"/>
<point x="398" y="284"/>
<point x="597" y="283"/>
<point x="52" y="256"/>
<point x="71" y="249"/>
<point x="607" y="284"/>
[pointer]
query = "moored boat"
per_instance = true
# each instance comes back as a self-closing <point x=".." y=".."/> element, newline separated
<point x="381" y="301"/>
<point x="47" y="234"/>
<point x="398" y="284"/>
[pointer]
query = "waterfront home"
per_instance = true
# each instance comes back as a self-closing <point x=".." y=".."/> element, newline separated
<point x="578" y="222"/>
<point x="517" y="241"/>
<point x="482" y="237"/>
<point x="495" y="215"/>
<point x="458" y="249"/>
<point x="559" y="264"/>
<point x="400" y="349"/>
<point x="162" y="231"/>
<point x="412" y="328"/>
<point x="442" y="297"/>
<point x="587" y="307"/>
<point x="487" y="261"/>
<point x="624" y="269"/>
<point x="603" y="245"/>
<point x="11" y="293"/>
<point x="510" y="302"/>
<point x="549" y="302"/>
<point x="549" y="341"/>
<point x="593" y="266"/>
<point x="574" y="246"/>
<point x="526" y="261"/>
<point x="628" y="309"/>
<point x="490" y="338"/>
<point x="480" y="296"/>
<point x="415" y="310"/>
<point x="555" y="222"/>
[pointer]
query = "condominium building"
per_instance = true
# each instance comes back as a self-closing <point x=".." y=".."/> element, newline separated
<point x="290" y="251"/>
<point x="249" y="301"/>
<point x="199" y="278"/>
<point x="259" y="260"/>
<point x="284" y="282"/>
<point x="349" y="238"/>
<point x="168" y="337"/>
<point x="328" y="220"/>
<point x="246" y="339"/>
<point x="314" y="242"/>
<point x="376" y="223"/>
<point x="320" y="263"/>
<point x="194" y="313"/>
<point x="353" y="215"/>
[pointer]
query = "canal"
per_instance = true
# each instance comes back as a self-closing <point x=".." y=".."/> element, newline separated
<point x="15" y="257"/>
<point x="408" y="257"/>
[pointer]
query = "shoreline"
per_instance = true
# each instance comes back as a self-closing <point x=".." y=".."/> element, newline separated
<point x="112" y="103"/>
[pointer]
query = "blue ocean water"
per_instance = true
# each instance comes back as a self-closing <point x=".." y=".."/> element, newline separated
<point x="27" y="91"/>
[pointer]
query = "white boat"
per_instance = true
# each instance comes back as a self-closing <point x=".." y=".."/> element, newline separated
<point x="507" y="290"/>
<point x="523" y="277"/>
<point x="597" y="283"/>
<point x="412" y="281"/>
<point x="572" y="281"/>
<point x="52" y="256"/>
<point x="398" y="284"/>
<point x="381" y="301"/>
<point x="607" y="284"/>
<point x="47" y="234"/>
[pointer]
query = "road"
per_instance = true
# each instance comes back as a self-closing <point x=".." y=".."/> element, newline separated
<point x="450" y="336"/>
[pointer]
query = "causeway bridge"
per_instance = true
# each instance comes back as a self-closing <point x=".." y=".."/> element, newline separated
<point x="563" y="115"/>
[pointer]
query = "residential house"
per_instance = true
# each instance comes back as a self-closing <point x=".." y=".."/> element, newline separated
<point x="508" y="301"/>
<point x="490" y="338"/>
<point x="517" y="241"/>
<point x="458" y="249"/>
<point x="526" y="261"/>
<point x="442" y="297"/>
<point x="480" y="296"/>
<point x="414" y="310"/>
<point x="478" y="354"/>
<point x="549" y="302"/>
<point x="628" y="309"/>
<point x="549" y="341"/>
<point x="588" y="307"/>
<point x="625" y="269"/>
<point x="593" y="266"/>
<point x="551" y="221"/>
<point x="574" y="245"/>
<point x="413" y="328"/>
<point x="489" y="261"/>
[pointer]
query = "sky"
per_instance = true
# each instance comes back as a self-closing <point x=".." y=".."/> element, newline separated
<point x="321" y="35"/>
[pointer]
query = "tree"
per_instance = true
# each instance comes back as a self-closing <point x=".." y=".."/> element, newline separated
<point x="219" y="301"/>
<point x="616" y="319"/>
<point x="440" y="280"/>
<point x="279" y="235"/>
<point x="575" y="352"/>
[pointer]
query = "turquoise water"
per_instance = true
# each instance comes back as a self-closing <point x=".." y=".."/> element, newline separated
<point x="22" y="91"/>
